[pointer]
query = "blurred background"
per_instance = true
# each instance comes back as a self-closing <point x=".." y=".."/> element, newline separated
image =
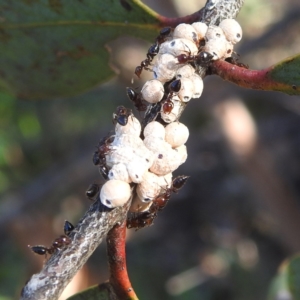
<point x="227" y="231"/>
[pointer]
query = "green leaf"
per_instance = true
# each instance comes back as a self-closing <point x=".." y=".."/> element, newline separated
<point x="287" y="75"/>
<point x="56" y="48"/>
<point x="97" y="292"/>
<point x="287" y="282"/>
<point x="279" y="285"/>
<point x="293" y="276"/>
<point x="103" y="291"/>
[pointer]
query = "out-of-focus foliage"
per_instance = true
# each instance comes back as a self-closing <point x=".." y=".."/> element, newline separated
<point x="57" y="48"/>
<point x="92" y="293"/>
<point x="218" y="221"/>
<point x="286" y="285"/>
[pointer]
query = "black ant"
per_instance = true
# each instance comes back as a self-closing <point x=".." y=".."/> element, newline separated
<point x="68" y="227"/>
<point x="174" y="87"/>
<point x="163" y="34"/>
<point x="57" y="244"/>
<point x="121" y="115"/>
<point x="234" y="61"/>
<point x="137" y="99"/>
<point x="202" y="59"/>
<point x="99" y="155"/>
<point x="146" y="218"/>
<point x="93" y="191"/>
<point x="152" y="51"/>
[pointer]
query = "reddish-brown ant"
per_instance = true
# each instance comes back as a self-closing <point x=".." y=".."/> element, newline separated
<point x="137" y="99"/>
<point x="152" y="51"/>
<point x="142" y="220"/>
<point x="146" y="218"/>
<point x="174" y="87"/>
<point x="57" y="244"/>
<point x="121" y="115"/>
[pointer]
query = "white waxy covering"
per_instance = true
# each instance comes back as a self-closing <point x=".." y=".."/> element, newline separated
<point x="198" y="85"/>
<point x="155" y="129"/>
<point x="201" y="29"/>
<point x="185" y="71"/>
<point x="149" y="188"/>
<point x="136" y="169"/>
<point x="153" y="91"/>
<point x="165" y="67"/>
<point x="187" y="90"/>
<point x="185" y="31"/>
<point x="132" y="127"/>
<point x="216" y="47"/>
<point x="176" y="134"/>
<point x="119" y="155"/>
<point x="214" y="32"/>
<point x="150" y="162"/>
<point x="119" y="172"/>
<point x="166" y="160"/>
<point x="232" y="30"/>
<point x="165" y="181"/>
<point x="178" y="46"/>
<point x="115" y="193"/>
<point x="182" y="153"/>
<point x="153" y="143"/>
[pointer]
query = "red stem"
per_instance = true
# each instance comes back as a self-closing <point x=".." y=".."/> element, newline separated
<point x="252" y="79"/>
<point x="173" y="22"/>
<point x="119" y="279"/>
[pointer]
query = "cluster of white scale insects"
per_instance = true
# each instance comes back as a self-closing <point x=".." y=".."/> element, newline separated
<point x="150" y="161"/>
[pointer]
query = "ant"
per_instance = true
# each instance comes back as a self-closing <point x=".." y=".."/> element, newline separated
<point x="57" y="244"/>
<point x="68" y="227"/>
<point x="121" y="115"/>
<point x="153" y="51"/>
<point x="174" y="87"/>
<point x="99" y="155"/>
<point x="93" y="191"/>
<point x="146" y="218"/>
<point x="137" y="99"/>
<point x="202" y="59"/>
<point x="142" y="220"/>
<point x="234" y="61"/>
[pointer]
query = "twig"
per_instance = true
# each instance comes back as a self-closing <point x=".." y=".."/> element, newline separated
<point x="251" y="79"/>
<point x="116" y="253"/>
<point x="64" y="263"/>
<point x="97" y="222"/>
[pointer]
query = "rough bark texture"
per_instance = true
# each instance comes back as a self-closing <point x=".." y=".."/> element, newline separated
<point x="217" y="10"/>
<point x="64" y="264"/>
<point x="96" y="223"/>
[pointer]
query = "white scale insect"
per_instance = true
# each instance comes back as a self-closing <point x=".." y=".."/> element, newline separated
<point x="151" y="161"/>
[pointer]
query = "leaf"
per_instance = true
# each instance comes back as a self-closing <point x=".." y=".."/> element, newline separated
<point x="293" y="276"/>
<point x="287" y="74"/>
<point x="56" y="48"/>
<point x="279" y="285"/>
<point x="102" y="291"/>
<point x="286" y="285"/>
<point x="96" y="292"/>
